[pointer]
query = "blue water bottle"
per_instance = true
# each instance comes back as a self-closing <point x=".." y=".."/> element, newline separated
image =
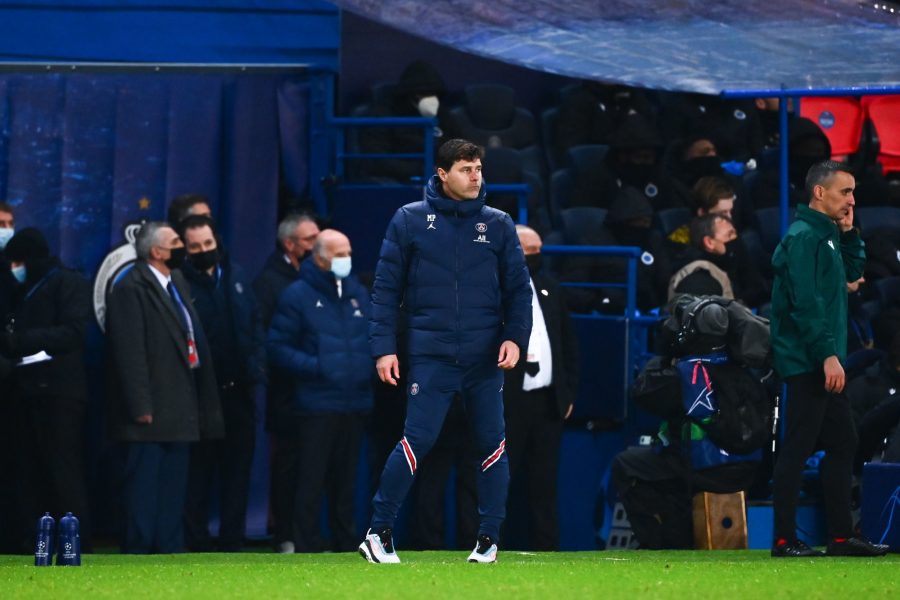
<point x="69" y="546"/>
<point x="43" y="543"/>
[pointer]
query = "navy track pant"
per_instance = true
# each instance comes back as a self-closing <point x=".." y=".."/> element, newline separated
<point x="432" y="385"/>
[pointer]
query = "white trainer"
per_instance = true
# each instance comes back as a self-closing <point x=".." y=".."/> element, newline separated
<point x="485" y="551"/>
<point x="378" y="547"/>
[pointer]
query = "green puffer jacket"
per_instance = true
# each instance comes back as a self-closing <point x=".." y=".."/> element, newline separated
<point x="812" y="264"/>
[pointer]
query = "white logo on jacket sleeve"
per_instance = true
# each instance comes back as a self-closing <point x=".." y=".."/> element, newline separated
<point x="830" y="243"/>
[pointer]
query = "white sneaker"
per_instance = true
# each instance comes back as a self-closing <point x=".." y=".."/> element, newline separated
<point x="378" y="547"/>
<point x="285" y="547"/>
<point x="485" y="551"/>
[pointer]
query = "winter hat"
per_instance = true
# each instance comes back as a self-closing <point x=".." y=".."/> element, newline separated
<point x="26" y="245"/>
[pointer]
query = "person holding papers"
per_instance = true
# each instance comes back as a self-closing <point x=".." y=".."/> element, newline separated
<point x="43" y="336"/>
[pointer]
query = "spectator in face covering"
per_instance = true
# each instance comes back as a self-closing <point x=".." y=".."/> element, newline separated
<point x="628" y="223"/>
<point x="634" y="158"/>
<point x="807" y="145"/>
<point x="418" y="94"/>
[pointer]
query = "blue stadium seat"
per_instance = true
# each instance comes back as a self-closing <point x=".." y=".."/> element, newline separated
<point x="585" y="182"/>
<point x="670" y="219"/>
<point x="873" y="218"/>
<point x="768" y="224"/>
<point x="548" y="136"/>
<point x="889" y="291"/>
<point x="580" y="220"/>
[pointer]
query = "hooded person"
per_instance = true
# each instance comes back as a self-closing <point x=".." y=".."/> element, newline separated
<point x="418" y="93"/>
<point x="807" y="145"/>
<point x="628" y="223"/>
<point x="634" y="158"/>
<point x="44" y="337"/>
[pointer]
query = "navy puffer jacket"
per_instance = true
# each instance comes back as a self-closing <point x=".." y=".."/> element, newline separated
<point x="453" y="276"/>
<point x="320" y="341"/>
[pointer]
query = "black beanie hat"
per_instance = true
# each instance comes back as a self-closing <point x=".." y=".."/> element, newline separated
<point x="26" y="245"/>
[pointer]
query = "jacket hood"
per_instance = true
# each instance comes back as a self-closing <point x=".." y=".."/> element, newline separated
<point x="434" y="195"/>
<point x="419" y="78"/>
<point x="324" y="281"/>
<point x="636" y="131"/>
<point x="801" y="128"/>
<point x="629" y="204"/>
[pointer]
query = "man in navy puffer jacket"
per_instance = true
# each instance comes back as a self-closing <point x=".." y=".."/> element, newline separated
<point x="318" y="338"/>
<point x="452" y="273"/>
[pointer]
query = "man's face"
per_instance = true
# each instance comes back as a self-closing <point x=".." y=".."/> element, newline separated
<point x="7" y="220"/>
<point x="700" y="149"/>
<point x="463" y="180"/>
<point x="530" y="241"/>
<point x="723" y="207"/>
<point x="199" y="239"/>
<point x="168" y="240"/>
<point x="724" y="233"/>
<point x="336" y="246"/>
<point x="303" y="239"/>
<point x="835" y="196"/>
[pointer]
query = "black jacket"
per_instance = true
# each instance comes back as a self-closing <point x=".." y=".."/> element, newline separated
<point x="150" y="368"/>
<point x="275" y="276"/>
<point x="563" y="349"/>
<point x="230" y="316"/>
<point x="50" y="312"/>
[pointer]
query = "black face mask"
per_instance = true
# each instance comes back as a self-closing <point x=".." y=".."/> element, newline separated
<point x="631" y="235"/>
<point x="695" y="168"/>
<point x="636" y="175"/>
<point x="726" y="261"/>
<point x="202" y="261"/>
<point x="176" y="259"/>
<point x="534" y="263"/>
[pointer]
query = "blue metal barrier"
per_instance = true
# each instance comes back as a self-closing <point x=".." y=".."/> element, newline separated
<point x="426" y="124"/>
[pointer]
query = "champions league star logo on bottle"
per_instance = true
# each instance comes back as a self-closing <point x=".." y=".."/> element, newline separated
<point x="114" y="266"/>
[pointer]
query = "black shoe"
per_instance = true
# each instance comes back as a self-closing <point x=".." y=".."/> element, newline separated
<point x="798" y="549"/>
<point x="855" y="546"/>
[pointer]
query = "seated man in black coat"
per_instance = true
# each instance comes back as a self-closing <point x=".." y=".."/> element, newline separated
<point x="44" y="338"/>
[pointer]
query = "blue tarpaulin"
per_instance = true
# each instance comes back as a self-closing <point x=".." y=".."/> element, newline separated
<point x="686" y="45"/>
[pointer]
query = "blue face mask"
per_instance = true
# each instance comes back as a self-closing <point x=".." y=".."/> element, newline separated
<point x="341" y="266"/>
<point x="6" y="234"/>
<point x="19" y="273"/>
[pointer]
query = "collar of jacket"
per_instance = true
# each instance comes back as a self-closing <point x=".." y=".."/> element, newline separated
<point x="322" y="281"/>
<point x="277" y="263"/>
<point x="819" y="221"/>
<point x="434" y="195"/>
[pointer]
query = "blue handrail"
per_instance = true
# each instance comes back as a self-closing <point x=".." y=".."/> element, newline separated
<point x="427" y="124"/>
<point x="632" y="253"/>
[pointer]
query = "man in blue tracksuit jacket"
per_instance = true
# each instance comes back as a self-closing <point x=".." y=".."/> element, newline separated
<point x="318" y="338"/>
<point x="452" y="275"/>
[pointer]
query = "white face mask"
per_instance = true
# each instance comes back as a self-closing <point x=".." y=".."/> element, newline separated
<point x="341" y="266"/>
<point x="428" y="106"/>
<point x="6" y="234"/>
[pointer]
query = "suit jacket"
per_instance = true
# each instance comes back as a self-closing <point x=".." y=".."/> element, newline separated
<point x="150" y="368"/>
<point x="563" y="349"/>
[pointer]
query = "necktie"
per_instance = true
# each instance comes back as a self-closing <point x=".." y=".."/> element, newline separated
<point x="179" y="306"/>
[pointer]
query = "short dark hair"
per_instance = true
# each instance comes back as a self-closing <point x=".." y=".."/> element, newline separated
<point x="455" y="150"/>
<point x="196" y="222"/>
<point x="7" y="208"/>
<point x="821" y="172"/>
<point x="708" y="190"/>
<point x="704" y="226"/>
<point x="181" y="207"/>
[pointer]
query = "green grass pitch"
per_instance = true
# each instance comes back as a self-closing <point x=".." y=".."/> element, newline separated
<point x="431" y="575"/>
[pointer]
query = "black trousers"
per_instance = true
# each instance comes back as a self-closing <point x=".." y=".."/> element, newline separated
<point x="328" y="449"/>
<point x="50" y="462"/>
<point x="815" y="419"/>
<point x="283" y="486"/>
<point x="155" y="486"/>
<point x="230" y="457"/>
<point x="533" y="435"/>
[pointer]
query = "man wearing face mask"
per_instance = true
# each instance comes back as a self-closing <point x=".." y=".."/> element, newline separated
<point x="319" y="336"/>
<point x="44" y="338"/>
<point x="539" y="395"/>
<point x="229" y="314"/>
<point x="634" y="159"/>
<point x="164" y="394"/>
<point x="296" y="236"/>
<point x="418" y="93"/>
<point x="9" y="542"/>
<point x="7" y="281"/>
<point x="717" y="250"/>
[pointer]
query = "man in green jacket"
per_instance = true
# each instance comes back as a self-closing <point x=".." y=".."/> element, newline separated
<point x="819" y="258"/>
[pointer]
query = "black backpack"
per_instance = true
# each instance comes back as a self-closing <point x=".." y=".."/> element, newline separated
<point x="743" y="421"/>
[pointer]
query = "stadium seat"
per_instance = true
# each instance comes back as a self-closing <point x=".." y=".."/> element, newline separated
<point x="768" y="224"/>
<point x="579" y="220"/>
<point x="873" y="218"/>
<point x="506" y="166"/>
<point x="840" y="118"/>
<point x="670" y="219"/>
<point x="888" y="291"/>
<point x="548" y="136"/>
<point x="884" y="113"/>
<point x="585" y="182"/>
